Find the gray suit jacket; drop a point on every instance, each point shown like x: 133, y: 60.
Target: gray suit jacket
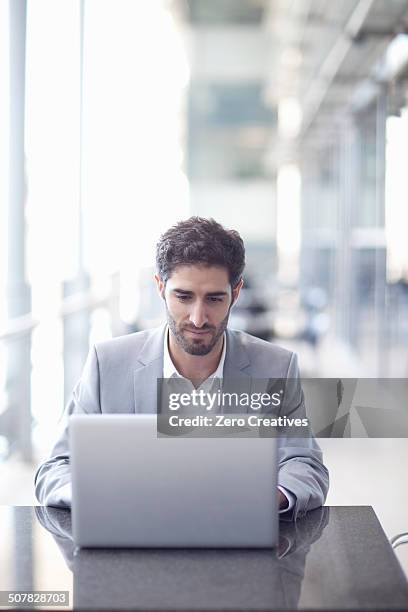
x: 120, y: 375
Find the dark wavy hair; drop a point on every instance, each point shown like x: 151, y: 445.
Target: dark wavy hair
x: 200, y: 241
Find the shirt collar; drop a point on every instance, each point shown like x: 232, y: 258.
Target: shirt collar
x: 170, y: 370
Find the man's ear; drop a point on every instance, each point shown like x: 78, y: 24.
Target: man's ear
x: 161, y: 285
x: 236, y: 290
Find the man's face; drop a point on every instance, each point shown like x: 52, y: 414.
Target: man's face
x: 198, y: 301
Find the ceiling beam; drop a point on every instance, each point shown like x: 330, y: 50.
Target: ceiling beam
x: 332, y: 64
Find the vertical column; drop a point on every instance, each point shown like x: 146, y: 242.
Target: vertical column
x: 331, y: 196
x: 380, y: 255
x: 18, y: 291
x: 309, y: 172
x: 345, y: 273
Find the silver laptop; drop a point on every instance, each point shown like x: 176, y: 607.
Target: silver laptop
x: 131, y: 488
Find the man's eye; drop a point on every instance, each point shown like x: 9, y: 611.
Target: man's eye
x: 215, y: 299
x: 183, y: 298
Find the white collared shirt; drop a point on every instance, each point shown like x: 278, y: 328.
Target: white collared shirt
x: 170, y: 371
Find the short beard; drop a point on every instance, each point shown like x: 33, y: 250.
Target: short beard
x: 196, y: 348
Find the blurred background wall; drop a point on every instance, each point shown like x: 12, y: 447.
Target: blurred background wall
x: 284, y: 119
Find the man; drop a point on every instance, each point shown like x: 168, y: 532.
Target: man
x: 199, y: 277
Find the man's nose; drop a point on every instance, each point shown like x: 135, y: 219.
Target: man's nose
x: 198, y: 315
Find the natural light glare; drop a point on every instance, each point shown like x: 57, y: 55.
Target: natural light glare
x: 288, y: 222
x: 396, y: 196
x: 4, y: 198
x: 129, y: 179
x: 4, y: 153
x: 288, y: 210
x: 397, y: 54
x: 52, y: 142
x: 134, y: 185
x: 289, y: 117
x: 52, y: 154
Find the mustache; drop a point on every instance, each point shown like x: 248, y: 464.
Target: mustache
x: 204, y: 328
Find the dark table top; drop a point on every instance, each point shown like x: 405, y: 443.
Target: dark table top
x: 335, y: 558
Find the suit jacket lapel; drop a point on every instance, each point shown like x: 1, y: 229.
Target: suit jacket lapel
x: 148, y: 372
x: 237, y: 376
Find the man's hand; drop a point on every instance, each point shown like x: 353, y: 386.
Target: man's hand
x: 282, y: 500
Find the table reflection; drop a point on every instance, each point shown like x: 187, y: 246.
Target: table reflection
x: 180, y: 578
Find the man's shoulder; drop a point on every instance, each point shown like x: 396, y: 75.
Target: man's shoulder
x: 264, y: 355
x: 252, y: 343
x: 129, y: 345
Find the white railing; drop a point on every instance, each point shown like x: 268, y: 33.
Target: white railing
x: 15, y: 418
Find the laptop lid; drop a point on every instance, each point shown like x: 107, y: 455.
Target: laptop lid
x: 131, y: 488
